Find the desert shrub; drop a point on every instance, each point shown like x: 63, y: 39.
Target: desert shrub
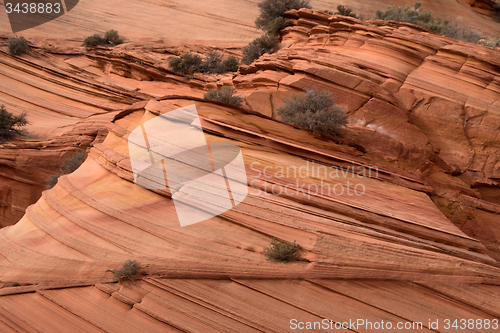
x: 225, y: 95
x: 281, y: 251
x: 259, y: 46
x: 272, y: 9
x: 11, y: 125
x: 277, y: 25
x: 213, y: 63
x: 231, y: 64
x: 315, y: 111
x: 68, y: 166
x: 72, y: 163
x: 187, y: 64
x: 94, y: 40
x: 416, y: 15
x: 129, y: 271
x: 111, y: 37
x: 496, y: 10
x: 492, y: 42
x: 52, y: 180
x: 345, y: 11
x: 329, y: 12
x: 18, y: 46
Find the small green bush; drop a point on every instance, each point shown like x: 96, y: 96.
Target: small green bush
x: 281, y: 251
x: 68, y: 166
x: 213, y: 64
x: 131, y: 270
x: 272, y: 9
x: 187, y: 64
x: 94, y: 40
x: 231, y: 64
x: 258, y: 47
x: 416, y: 15
x: 11, y: 125
x: 52, y: 180
x: 225, y: 95
x: 496, y: 10
x: 277, y: 25
x: 492, y: 42
x: 110, y: 38
x: 72, y: 163
x: 314, y: 111
x: 18, y: 46
x: 345, y: 11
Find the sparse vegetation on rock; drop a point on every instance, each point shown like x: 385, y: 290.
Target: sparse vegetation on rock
x: 110, y: 38
x: 258, y: 47
x: 315, y: 111
x: 130, y: 270
x: 11, y: 125
x: 213, y: 63
x: 496, y: 9
x: 491, y: 42
x: 282, y: 252
x: 68, y: 166
x: 273, y: 9
x: 18, y: 46
x: 416, y: 15
x: 271, y: 21
x: 231, y: 64
x: 187, y: 64
x: 345, y: 11
x: 274, y: 28
x: 225, y: 95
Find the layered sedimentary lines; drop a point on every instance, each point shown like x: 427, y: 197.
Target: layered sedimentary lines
x: 68, y: 110
x: 396, y: 222
x: 426, y: 101
x: 238, y: 305
x: 214, y: 20
x: 56, y: 94
x: 96, y: 218
x: 139, y: 20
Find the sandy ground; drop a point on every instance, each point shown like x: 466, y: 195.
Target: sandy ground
x: 208, y: 19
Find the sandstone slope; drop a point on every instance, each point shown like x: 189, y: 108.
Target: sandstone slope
x: 211, y: 20
x: 421, y: 242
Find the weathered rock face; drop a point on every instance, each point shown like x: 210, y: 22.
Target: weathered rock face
x: 25, y: 167
x: 208, y: 21
x: 357, y: 251
x: 68, y: 110
x: 426, y: 102
x: 412, y: 236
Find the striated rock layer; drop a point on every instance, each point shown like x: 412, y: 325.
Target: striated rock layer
x: 419, y: 243
x: 428, y: 103
x: 96, y: 218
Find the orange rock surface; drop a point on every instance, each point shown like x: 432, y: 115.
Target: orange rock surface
x: 420, y: 244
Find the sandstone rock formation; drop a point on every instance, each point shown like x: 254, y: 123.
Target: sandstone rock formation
x: 421, y: 243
